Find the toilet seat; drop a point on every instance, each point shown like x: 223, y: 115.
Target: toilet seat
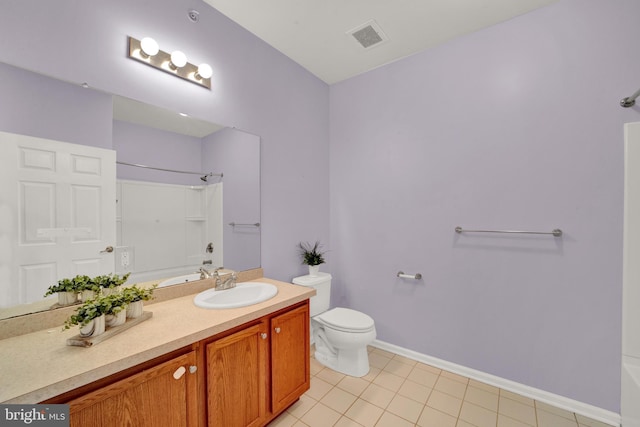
x: 346, y: 320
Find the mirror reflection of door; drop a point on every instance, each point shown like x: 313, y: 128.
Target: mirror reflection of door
x: 58, y: 220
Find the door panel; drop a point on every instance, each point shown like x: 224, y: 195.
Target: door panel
x: 58, y: 208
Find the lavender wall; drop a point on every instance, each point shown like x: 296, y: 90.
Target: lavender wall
x: 31, y: 104
x: 514, y: 127
x: 143, y: 145
x: 255, y: 88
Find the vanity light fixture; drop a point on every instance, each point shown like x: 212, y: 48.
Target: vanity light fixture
x: 148, y: 47
x: 148, y: 52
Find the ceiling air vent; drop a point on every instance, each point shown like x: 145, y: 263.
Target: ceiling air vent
x: 368, y: 34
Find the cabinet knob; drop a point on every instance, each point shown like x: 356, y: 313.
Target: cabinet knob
x: 277, y: 330
x: 193, y: 369
x: 263, y: 336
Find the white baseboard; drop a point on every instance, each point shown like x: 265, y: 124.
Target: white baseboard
x: 590, y: 411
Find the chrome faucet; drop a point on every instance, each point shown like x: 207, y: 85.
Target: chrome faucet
x: 204, y: 273
x: 226, y: 281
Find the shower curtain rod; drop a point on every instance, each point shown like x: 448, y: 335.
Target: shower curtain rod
x: 630, y: 101
x: 203, y: 177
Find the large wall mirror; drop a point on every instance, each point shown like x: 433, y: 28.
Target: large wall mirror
x: 186, y: 195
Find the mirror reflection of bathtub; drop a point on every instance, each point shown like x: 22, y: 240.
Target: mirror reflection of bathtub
x: 179, y: 280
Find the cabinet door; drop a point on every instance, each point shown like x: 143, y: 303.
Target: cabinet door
x: 165, y: 395
x: 289, y: 357
x: 237, y: 378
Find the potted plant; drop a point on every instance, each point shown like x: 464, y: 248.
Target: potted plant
x: 67, y: 290
x: 87, y: 287
x: 115, y: 309
x: 110, y: 283
x: 90, y: 316
x: 135, y: 297
x: 312, y: 256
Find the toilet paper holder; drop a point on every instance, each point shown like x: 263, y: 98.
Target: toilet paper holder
x: 416, y: 276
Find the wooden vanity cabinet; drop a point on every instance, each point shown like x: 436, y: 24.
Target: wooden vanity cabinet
x: 244, y: 377
x: 256, y: 372
x: 164, y: 395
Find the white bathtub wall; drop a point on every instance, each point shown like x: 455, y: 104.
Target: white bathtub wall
x: 165, y: 228
x: 630, y: 409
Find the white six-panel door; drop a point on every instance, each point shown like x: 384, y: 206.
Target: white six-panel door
x: 57, y: 214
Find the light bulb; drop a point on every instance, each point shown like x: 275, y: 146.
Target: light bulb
x: 148, y: 47
x: 204, y: 71
x: 178, y: 59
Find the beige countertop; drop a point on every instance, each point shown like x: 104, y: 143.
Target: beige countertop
x: 39, y: 365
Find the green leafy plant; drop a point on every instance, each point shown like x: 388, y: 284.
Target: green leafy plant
x: 311, y: 254
x: 91, y: 309
x: 135, y: 293
x: 110, y: 280
x: 76, y: 284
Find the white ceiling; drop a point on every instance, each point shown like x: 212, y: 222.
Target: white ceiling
x: 316, y: 33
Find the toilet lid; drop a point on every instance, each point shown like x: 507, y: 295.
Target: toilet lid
x: 345, y: 318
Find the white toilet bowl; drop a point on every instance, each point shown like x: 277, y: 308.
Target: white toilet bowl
x: 341, y: 337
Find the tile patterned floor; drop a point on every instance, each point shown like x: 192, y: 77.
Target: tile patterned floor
x: 401, y: 392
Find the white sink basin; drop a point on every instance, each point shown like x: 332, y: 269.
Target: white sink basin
x: 180, y: 279
x: 245, y: 293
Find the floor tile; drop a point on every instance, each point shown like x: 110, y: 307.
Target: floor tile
x: 364, y: 413
x: 330, y: 376
x: 483, y: 386
x: 299, y: 408
x: 547, y: 419
x: 504, y: 421
x: 588, y: 422
x: 423, y: 377
x: 398, y: 368
x: 318, y: 388
x: 390, y: 420
x: 389, y: 381
x: 540, y: 406
x: 353, y: 385
x: 479, y: 416
x: 517, y: 410
x: 377, y: 395
x: 338, y: 400
x: 444, y: 403
x: 431, y: 417
x: 401, y: 392
x: 284, y: 420
x: 346, y: 422
x: 373, y: 372
x: 516, y: 397
x: 404, y: 359
x: 482, y: 397
x: 377, y: 360
x: 449, y: 386
x: 455, y: 377
x: 405, y: 408
x: 415, y: 391
x: 320, y: 416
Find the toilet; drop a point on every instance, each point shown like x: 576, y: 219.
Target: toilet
x: 341, y: 335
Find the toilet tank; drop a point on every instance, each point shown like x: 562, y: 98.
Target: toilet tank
x: 322, y: 284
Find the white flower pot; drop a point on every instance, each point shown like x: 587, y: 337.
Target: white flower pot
x: 112, y: 320
x: 109, y: 291
x: 87, y: 294
x: 94, y: 328
x: 134, y: 309
x: 313, y: 270
x: 67, y: 298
